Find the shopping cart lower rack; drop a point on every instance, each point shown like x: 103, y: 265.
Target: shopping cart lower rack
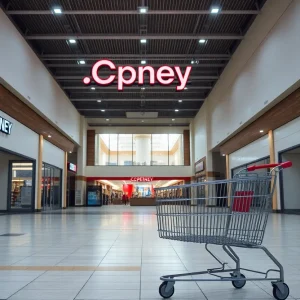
x: 229, y: 213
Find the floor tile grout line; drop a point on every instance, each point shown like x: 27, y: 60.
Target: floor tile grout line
x: 97, y: 266
x: 188, y: 271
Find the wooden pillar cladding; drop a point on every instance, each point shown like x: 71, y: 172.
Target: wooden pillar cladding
x: 227, y: 167
x: 186, y: 148
x: 272, y: 161
x: 90, y: 148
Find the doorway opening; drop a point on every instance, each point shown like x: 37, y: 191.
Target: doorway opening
x: 51, y: 187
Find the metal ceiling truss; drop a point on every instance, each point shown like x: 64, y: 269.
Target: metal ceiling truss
x: 136, y: 99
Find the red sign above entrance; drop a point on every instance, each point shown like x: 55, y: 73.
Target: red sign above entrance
x: 141, y: 179
x: 164, y: 75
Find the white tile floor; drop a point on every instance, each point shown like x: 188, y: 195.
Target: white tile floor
x: 126, y: 237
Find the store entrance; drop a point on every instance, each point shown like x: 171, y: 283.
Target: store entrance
x: 51, y: 187
x: 289, y: 181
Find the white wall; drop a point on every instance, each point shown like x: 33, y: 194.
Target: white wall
x: 291, y: 180
x: 263, y: 70
x: 53, y: 155
x: 199, y: 138
x: 253, y: 151
x: 22, y: 71
x: 285, y: 137
x: 134, y: 171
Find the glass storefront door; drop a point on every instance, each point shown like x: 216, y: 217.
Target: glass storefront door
x: 51, y: 187
x: 21, y: 185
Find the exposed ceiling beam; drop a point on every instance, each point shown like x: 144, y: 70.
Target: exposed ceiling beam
x: 208, y: 77
x: 136, y: 56
x: 162, y: 91
x: 75, y: 65
x: 113, y: 87
x: 132, y: 12
x: 137, y: 109
x: 79, y: 36
x: 138, y: 100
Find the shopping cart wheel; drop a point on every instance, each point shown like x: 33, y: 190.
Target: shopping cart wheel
x: 281, y: 294
x: 166, y: 294
x: 238, y: 284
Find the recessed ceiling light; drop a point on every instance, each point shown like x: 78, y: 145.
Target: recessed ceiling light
x: 57, y: 10
x: 93, y: 88
x: 185, y: 88
x: 176, y: 110
x: 179, y: 101
x: 261, y: 131
x: 142, y: 121
x: 223, y: 154
x: 192, y: 62
x: 98, y: 100
x: 49, y: 136
x: 143, y: 10
x: 202, y: 41
x: 173, y: 119
x: 143, y: 41
x: 72, y: 41
x: 82, y: 62
x: 103, y: 110
x: 107, y: 119
x: 143, y: 88
x: 143, y: 62
x: 70, y: 151
x: 215, y: 10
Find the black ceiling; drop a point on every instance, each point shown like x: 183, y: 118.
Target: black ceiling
x: 112, y: 29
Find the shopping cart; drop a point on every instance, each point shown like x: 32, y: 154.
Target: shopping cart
x: 230, y: 213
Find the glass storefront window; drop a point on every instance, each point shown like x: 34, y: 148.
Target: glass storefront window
x: 22, y: 185
x: 125, y: 154
x: 175, y: 149
x: 160, y: 146
x: 142, y: 149
x: 139, y: 149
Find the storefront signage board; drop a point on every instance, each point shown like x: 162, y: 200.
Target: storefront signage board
x: 72, y: 167
x: 5, y: 126
x: 141, y: 179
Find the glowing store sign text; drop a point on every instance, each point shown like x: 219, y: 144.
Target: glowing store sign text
x: 165, y: 75
x: 141, y: 179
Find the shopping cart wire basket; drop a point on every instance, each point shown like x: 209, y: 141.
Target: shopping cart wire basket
x: 229, y: 213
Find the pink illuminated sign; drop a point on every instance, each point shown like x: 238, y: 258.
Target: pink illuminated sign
x: 164, y: 75
x: 141, y: 179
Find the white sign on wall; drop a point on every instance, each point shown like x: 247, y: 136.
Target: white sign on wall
x: 5, y: 126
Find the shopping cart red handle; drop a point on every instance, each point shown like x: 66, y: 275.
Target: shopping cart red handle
x: 283, y: 165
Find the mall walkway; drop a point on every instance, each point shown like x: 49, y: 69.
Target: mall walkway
x: 115, y: 253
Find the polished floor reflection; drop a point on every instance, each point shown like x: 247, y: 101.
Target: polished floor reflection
x: 114, y: 253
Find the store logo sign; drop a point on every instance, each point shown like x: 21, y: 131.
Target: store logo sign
x: 141, y: 179
x: 5, y: 126
x: 165, y: 75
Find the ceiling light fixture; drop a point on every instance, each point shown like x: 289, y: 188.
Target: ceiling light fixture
x: 192, y: 62
x: 57, y: 10
x: 93, y: 88
x: 173, y: 119
x: 49, y: 136
x: 143, y: 62
x: 214, y: 10
x: 70, y: 152
x: 143, y: 88
x: 176, y: 110
x: 261, y: 131
x: 223, y: 154
x: 99, y: 101
x: 72, y: 41
x: 103, y: 110
x: 202, y: 41
x: 185, y: 88
x: 179, y: 101
x: 142, y: 121
x: 107, y: 119
x: 143, y: 41
x: 82, y: 62
x: 143, y: 10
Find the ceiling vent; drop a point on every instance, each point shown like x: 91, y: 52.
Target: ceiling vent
x: 142, y: 115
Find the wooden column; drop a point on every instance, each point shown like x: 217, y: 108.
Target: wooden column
x: 272, y: 161
x: 186, y: 148
x: 90, y: 148
x: 65, y: 172
x: 227, y: 167
x: 40, y: 173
